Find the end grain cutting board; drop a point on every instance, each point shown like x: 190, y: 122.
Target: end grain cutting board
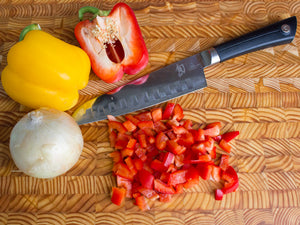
x: 257, y: 94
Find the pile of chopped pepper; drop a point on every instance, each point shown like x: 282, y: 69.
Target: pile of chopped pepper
x: 159, y: 154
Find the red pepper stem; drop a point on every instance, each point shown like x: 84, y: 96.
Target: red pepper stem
x: 30, y: 27
x: 93, y: 10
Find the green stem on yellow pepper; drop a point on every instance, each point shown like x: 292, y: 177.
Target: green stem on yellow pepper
x: 30, y: 27
x: 93, y: 10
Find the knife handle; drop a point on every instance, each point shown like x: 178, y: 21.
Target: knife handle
x: 279, y: 33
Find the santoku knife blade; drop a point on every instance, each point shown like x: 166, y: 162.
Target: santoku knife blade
x: 184, y: 76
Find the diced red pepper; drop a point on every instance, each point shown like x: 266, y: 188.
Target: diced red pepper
x: 164, y: 177
x: 112, y: 55
x: 178, y: 112
x: 230, y: 135
x: 162, y: 187
x: 213, y: 153
x: 141, y: 203
x: 161, y: 141
x: 148, y: 193
x: 179, y: 188
x: 198, y: 134
x: 151, y: 140
x: 123, y: 171
x: 225, y: 146
x: 188, y: 124
x: 171, y: 135
x: 212, y: 129
x: 132, y: 119
x: 116, y: 156
x: 138, y: 163
x: 129, y: 162
x: 112, y: 138
x: 159, y: 126
x: 204, y: 170
x: 218, y: 194
x: 186, y: 139
x: 179, y: 160
x: 115, y: 125
x: 156, y: 114
x: 192, y: 177
x: 118, y: 195
x: 168, y: 159
x: 177, y: 177
x: 142, y: 140
x: 179, y: 130
x: 158, y: 165
x: 146, y: 179
x: 168, y: 111
x: 165, y: 197
x: 125, y: 183
x: 141, y: 153
x: 146, y: 124
x: 131, y: 143
x: 144, y: 116
x: 129, y: 126
x: 216, y: 173
x: 224, y: 162
x: 175, y: 148
x: 126, y: 152
x: 199, y: 147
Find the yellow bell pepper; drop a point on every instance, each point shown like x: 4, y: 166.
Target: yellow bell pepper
x: 44, y: 71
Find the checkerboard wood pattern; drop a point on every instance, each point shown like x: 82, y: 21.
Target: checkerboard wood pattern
x: 257, y: 94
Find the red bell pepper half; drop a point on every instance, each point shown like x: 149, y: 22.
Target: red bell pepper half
x: 113, y: 42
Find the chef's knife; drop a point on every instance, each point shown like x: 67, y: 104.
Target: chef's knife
x: 184, y: 76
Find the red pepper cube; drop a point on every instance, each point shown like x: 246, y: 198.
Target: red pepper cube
x: 156, y: 114
x: 126, y: 152
x: 212, y: 129
x: 224, y: 162
x: 144, y: 116
x: 179, y: 188
x: 141, y: 153
x: 225, y: 146
x: 125, y: 183
x: 175, y: 148
x: 161, y: 141
x: 129, y: 126
x: 143, y: 140
x: 159, y: 126
x: 199, y: 148
x: 130, y: 164
x: 198, y: 134
x: 186, y: 139
x: 162, y: 187
x: 168, y: 159
x: 231, y: 180
x: 118, y: 195
x: 164, y: 177
x: 213, y: 153
x: 132, y: 119
x: 148, y: 193
x: 218, y: 194
x: 216, y: 173
x: 115, y: 125
x: 131, y: 143
x: 168, y: 112
x: 165, y: 197
x: 122, y: 170
x: 158, y: 166
x: 177, y: 177
x: 141, y: 202
x: 116, y: 156
x: 204, y: 170
x: 204, y: 158
x: 146, y: 179
x: 151, y: 140
x: 138, y: 163
x: 230, y: 135
x: 188, y: 124
x: 146, y: 124
x: 179, y: 130
x: 112, y: 138
x: 178, y: 113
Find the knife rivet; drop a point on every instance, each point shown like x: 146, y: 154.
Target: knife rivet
x: 285, y: 28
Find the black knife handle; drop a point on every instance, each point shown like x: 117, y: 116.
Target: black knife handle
x: 279, y: 33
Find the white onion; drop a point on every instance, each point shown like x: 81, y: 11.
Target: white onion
x: 46, y: 143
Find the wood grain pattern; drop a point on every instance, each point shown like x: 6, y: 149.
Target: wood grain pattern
x: 257, y: 94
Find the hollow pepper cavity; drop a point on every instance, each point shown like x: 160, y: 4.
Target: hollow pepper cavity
x: 113, y: 41
x: 44, y: 71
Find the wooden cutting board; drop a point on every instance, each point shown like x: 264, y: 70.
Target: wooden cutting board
x: 257, y: 94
